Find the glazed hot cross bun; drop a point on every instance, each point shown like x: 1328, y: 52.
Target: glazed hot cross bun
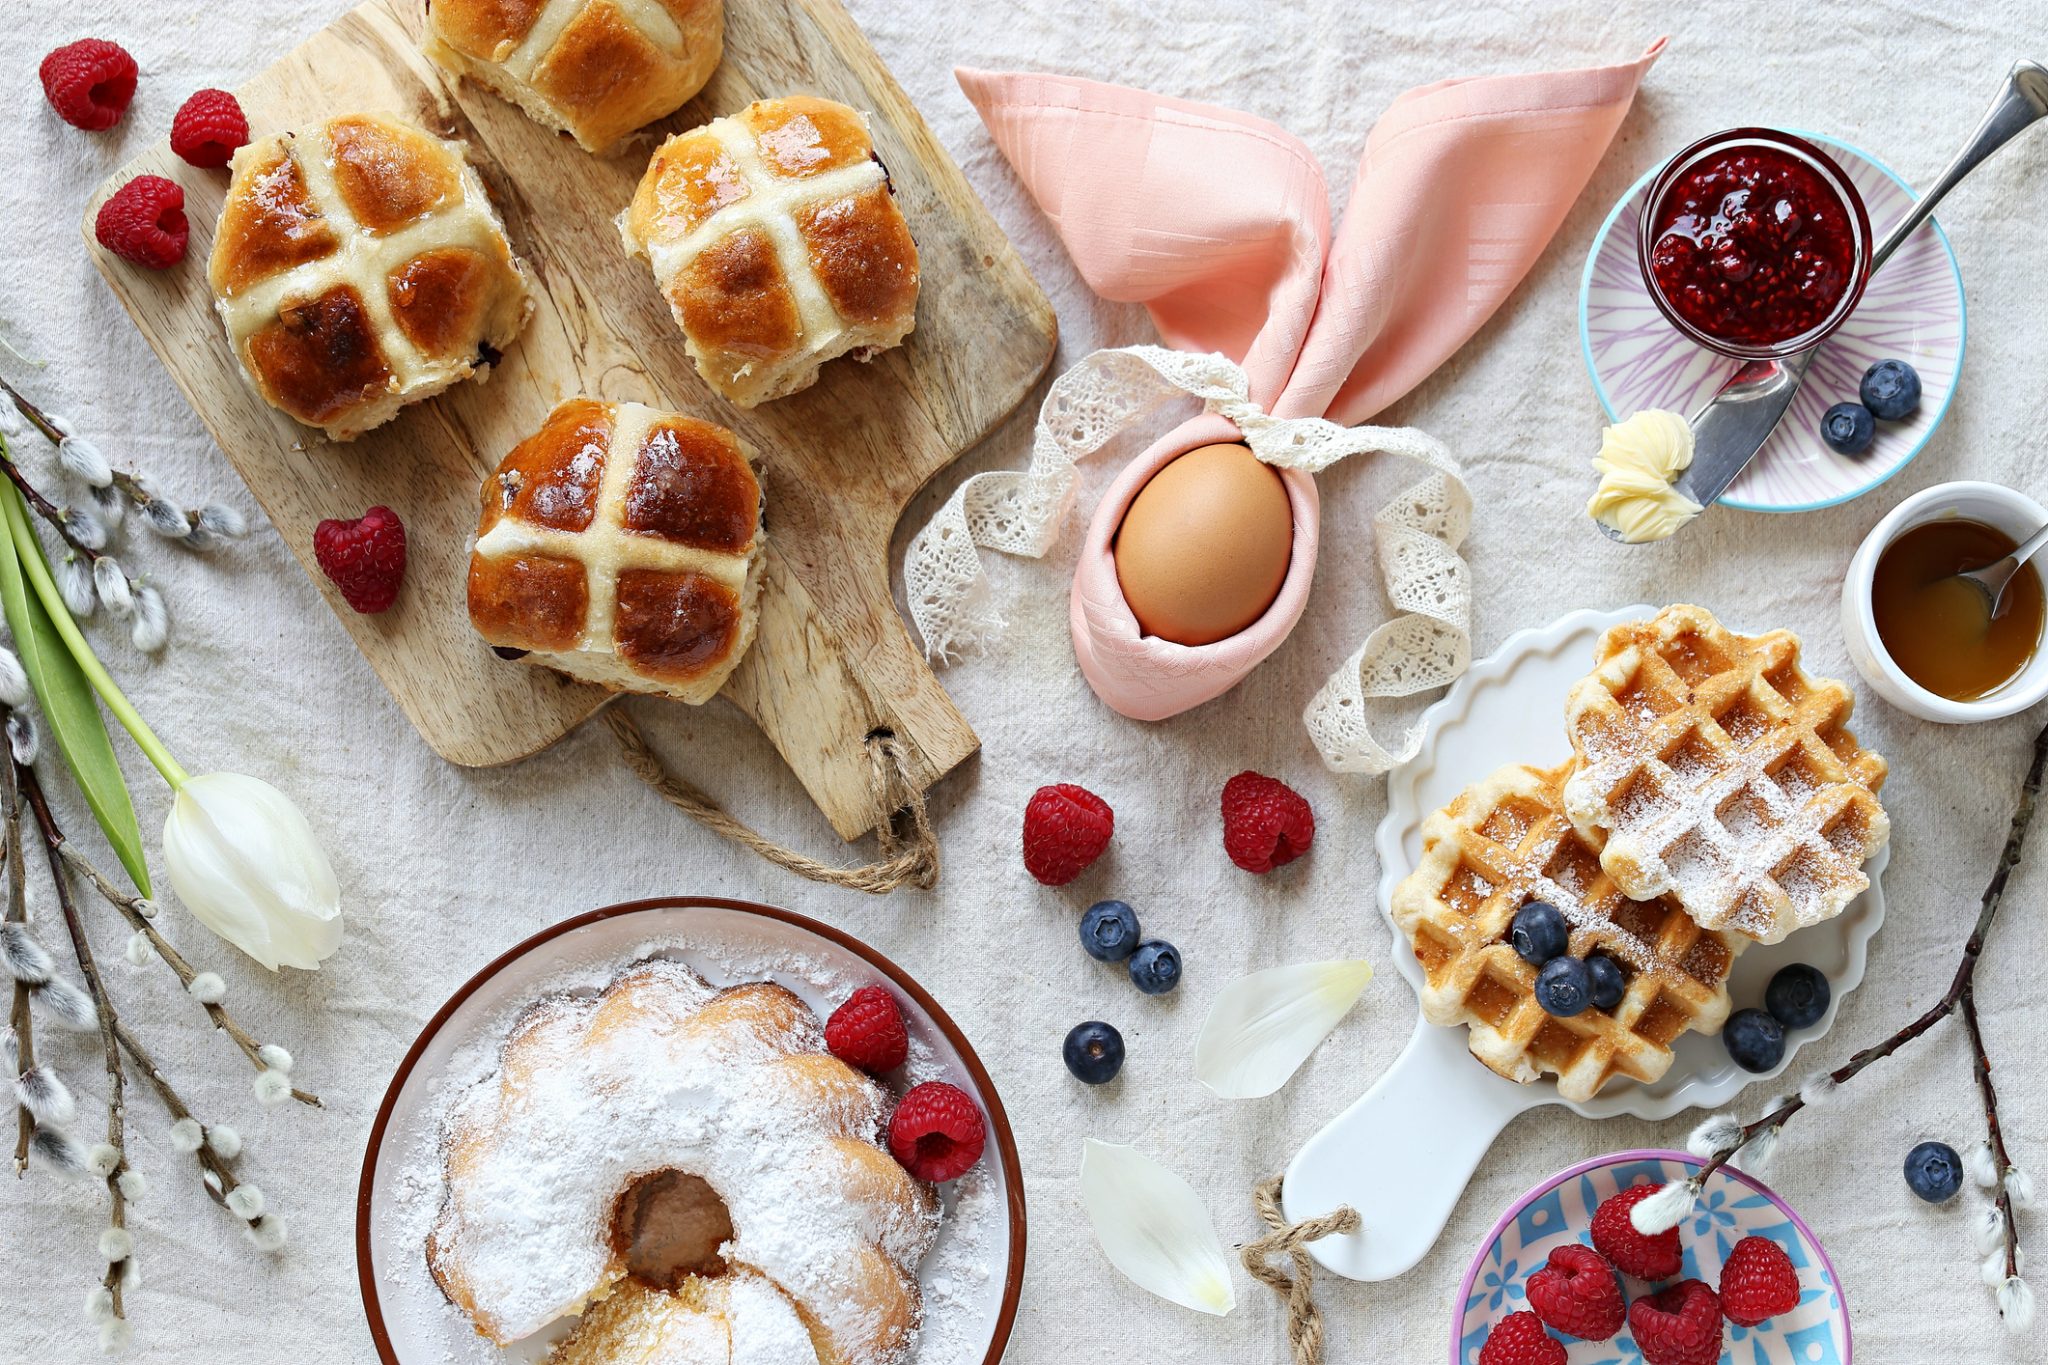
x: 358, y: 267
x: 622, y: 545
x: 776, y: 237
x: 594, y: 69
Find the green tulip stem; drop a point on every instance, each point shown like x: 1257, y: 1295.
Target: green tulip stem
x: 37, y: 568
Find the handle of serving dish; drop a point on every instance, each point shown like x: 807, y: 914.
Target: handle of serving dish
x: 1402, y: 1154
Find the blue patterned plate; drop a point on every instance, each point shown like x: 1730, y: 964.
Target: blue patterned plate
x: 1732, y: 1206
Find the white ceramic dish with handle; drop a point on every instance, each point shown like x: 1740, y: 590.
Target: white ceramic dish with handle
x: 1404, y: 1151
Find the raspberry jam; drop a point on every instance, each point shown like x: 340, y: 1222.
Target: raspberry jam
x: 1755, y: 241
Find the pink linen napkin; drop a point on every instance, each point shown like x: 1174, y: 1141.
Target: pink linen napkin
x: 1218, y: 222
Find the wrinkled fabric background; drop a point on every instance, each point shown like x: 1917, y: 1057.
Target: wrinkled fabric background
x: 443, y: 867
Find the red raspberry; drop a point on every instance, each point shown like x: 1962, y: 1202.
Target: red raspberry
x: 867, y: 1031
x: 365, y: 558
x: 89, y: 83
x: 1577, y: 1293
x: 1646, y: 1258
x: 1265, y: 822
x: 936, y: 1132
x: 143, y: 222
x: 1519, y: 1339
x: 1678, y: 1326
x: 208, y: 128
x: 1065, y: 829
x: 1758, y: 1282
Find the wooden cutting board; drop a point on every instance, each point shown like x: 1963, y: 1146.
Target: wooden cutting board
x: 832, y: 661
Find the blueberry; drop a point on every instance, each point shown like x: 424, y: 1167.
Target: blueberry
x: 1934, y: 1171
x: 1538, y: 933
x: 1755, y: 1041
x: 1847, y: 427
x: 1094, y: 1052
x: 1608, y: 982
x: 1109, y: 930
x: 1564, y: 987
x: 1797, y: 996
x: 1155, y: 967
x: 1891, y: 389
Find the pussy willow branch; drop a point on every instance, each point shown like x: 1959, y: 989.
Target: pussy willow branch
x: 17, y: 913
x: 1980, y: 1064
x: 37, y: 418
x: 131, y: 911
x: 1960, y: 997
x: 33, y: 496
x: 130, y: 486
x: 208, y: 1159
x: 103, y: 1006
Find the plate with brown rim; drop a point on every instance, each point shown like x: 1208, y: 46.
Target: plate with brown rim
x: 972, y: 1277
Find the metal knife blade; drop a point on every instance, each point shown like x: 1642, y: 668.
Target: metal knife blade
x: 1733, y: 426
x: 1729, y: 431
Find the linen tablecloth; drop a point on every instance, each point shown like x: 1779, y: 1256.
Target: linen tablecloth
x: 442, y: 867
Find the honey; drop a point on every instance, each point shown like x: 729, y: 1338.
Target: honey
x: 1938, y: 629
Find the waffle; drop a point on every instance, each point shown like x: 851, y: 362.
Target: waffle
x: 1505, y: 841
x: 1714, y: 769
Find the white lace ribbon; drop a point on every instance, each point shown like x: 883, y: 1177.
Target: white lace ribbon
x: 1427, y: 645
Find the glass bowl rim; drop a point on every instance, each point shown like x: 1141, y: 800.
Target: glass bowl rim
x: 1838, y: 180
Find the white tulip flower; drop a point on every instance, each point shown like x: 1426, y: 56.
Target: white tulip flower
x: 247, y: 865
x: 241, y: 856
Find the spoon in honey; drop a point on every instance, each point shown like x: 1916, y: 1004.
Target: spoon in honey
x: 1993, y: 579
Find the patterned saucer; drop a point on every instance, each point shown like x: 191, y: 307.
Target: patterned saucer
x: 1911, y: 311
x: 1731, y: 1207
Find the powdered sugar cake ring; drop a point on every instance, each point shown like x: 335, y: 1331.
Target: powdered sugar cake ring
x: 1733, y: 1205
x: 1435, y: 1112
x: 1913, y: 310
x: 970, y: 1280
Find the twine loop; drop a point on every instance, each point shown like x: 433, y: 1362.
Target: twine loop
x: 908, y: 847
x: 1304, y: 1319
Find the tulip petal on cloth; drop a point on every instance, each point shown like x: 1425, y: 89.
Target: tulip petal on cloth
x: 1262, y: 1027
x: 1154, y: 1227
x: 1461, y: 186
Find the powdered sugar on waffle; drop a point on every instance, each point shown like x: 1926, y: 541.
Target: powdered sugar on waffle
x: 1715, y: 838
x: 593, y: 1126
x: 1495, y: 815
x: 1567, y: 893
x: 1718, y: 829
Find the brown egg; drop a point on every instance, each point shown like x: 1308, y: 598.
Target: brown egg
x: 1204, y: 547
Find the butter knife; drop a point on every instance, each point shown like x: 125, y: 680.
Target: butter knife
x: 1733, y: 426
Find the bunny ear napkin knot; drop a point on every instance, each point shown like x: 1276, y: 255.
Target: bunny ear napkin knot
x: 1287, y: 333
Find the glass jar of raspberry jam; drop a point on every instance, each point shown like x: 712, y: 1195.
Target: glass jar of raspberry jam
x: 1754, y: 243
